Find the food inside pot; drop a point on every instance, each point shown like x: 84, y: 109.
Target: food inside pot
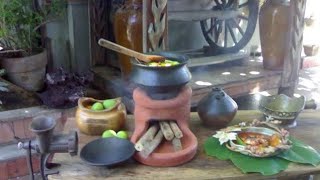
x: 256, y: 139
x: 166, y: 63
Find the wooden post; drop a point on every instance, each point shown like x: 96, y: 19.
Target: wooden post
x: 154, y: 25
x: 144, y: 25
x: 78, y: 18
x: 99, y: 12
x: 292, y: 59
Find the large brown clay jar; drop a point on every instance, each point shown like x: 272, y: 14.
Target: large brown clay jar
x: 274, y: 28
x: 217, y: 109
x: 128, y: 31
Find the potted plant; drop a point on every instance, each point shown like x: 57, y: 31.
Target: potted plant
x: 23, y: 54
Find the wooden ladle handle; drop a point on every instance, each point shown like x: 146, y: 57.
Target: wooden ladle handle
x: 123, y: 50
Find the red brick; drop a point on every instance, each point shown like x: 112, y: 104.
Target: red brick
x: 19, y: 129
x: 6, y: 133
x: 18, y: 167
x: 3, y: 171
x: 12, y: 168
x: 27, y: 132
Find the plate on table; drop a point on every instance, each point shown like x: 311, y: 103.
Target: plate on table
x: 107, y: 151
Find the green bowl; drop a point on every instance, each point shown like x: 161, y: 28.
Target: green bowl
x: 281, y: 107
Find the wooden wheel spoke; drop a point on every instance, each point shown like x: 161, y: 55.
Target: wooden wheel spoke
x: 220, y: 27
x: 212, y: 25
x: 229, y: 3
x: 244, y: 4
x: 243, y: 17
x: 217, y: 32
x: 238, y: 27
x: 217, y: 2
x: 231, y: 33
x: 225, y: 44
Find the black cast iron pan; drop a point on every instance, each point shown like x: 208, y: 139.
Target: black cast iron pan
x: 107, y: 151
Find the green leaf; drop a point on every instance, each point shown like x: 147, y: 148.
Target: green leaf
x: 212, y: 147
x: 301, y: 153
x: 265, y: 166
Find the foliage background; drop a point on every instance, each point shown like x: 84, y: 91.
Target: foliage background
x: 21, y: 22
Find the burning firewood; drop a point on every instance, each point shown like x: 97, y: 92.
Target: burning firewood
x: 166, y: 130
x: 147, y: 150
x: 177, y: 132
x: 146, y: 138
x: 176, y: 143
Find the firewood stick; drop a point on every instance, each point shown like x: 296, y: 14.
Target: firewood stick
x: 177, y: 146
x: 176, y: 130
x: 147, y: 137
x: 150, y: 147
x: 166, y: 130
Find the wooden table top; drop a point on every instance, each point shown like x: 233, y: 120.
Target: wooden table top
x: 201, y: 167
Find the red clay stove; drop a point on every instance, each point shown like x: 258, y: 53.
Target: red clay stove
x: 178, y: 109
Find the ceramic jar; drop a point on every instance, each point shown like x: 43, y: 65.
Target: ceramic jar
x: 274, y: 27
x: 93, y: 122
x: 128, y: 31
x: 162, y: 83
x: 217, y: 109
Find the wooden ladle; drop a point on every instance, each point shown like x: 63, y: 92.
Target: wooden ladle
x: 123, y: 50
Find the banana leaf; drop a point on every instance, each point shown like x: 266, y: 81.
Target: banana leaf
x: 299, y: 153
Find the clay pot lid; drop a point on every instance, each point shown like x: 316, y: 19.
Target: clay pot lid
x: 107, y: 151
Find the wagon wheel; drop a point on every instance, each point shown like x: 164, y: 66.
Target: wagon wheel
x: 232, y: 34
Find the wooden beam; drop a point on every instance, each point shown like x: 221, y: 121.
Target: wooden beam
x: 201, y: 15
x: 293, y: 56
x: 218, y: 59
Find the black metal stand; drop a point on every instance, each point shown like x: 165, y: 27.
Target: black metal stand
x: 47, y: 168
x: 29, y: 160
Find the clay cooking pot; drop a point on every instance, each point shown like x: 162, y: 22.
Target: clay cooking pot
x: 161, y: 82
x: 217, y: 109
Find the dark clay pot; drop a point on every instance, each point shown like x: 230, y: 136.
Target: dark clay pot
x: 217, y: 109
x: 162, y: 82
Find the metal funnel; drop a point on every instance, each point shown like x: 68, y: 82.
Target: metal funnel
x: 43, y: 127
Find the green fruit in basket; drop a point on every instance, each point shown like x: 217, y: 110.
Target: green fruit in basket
x: 109, y: 103
x: 122, y: 134
x: 97, y: 106
x: 109, y: 133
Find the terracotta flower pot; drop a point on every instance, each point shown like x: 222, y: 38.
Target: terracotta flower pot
x: 93, y: 122
x: 26, y: 72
